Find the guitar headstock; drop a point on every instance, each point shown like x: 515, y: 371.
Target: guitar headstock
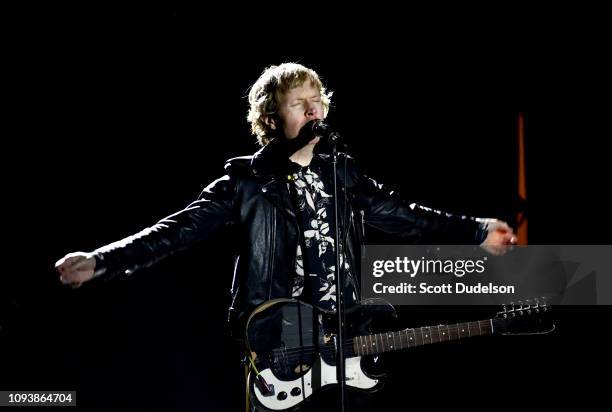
x: 524, y: 318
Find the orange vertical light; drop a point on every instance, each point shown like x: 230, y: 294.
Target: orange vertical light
x: 521, y: 218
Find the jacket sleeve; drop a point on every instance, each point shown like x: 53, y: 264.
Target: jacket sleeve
x: 198, y: 221
x: 385, y: 210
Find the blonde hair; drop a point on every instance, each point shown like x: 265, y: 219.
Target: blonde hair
x: 273, y: 81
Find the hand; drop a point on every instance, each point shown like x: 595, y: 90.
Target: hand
x: 76, y: 268
x: 500, y: 236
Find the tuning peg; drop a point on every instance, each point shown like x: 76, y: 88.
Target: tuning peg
x: 534, y: 308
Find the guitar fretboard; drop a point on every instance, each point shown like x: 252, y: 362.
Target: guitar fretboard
x: 408, y: 338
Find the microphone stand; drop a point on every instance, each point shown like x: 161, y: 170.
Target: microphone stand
x: 340, y: 360
x: 281, y: 149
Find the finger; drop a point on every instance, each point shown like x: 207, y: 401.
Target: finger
x: 507, y: 239
x: 71, y: 279
x: 72, y: 260
x: 60, y: 263
x: 62, y: 269
x: 496, y: 251
x: 504, y: 224
x: 76, y: 263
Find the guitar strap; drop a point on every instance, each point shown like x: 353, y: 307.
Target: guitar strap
x: 315, y: 373
x: 246, y: 384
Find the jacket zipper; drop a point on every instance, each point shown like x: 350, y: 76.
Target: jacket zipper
x: 272, y: 251
x: 362, y: 213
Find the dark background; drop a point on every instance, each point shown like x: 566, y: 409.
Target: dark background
x: 121, y: 118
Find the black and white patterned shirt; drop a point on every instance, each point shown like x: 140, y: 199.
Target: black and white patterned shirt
x: 315, y: 268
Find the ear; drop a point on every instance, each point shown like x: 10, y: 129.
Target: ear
x: 270, y: 121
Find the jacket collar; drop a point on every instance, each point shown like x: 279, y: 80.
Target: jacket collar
x: 273, y: 161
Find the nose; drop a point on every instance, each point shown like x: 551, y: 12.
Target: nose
x: 311, y: 111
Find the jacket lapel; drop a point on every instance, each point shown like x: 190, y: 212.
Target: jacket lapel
x: 276, y: 191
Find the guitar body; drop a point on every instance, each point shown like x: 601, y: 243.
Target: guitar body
x: 293, y: 347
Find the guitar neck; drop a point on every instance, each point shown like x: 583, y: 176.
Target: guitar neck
x: 409, y: 338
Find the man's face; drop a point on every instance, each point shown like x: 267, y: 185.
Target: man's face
x: 297, y: 107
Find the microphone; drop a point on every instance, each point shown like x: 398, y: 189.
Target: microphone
x: 277, y: 152
x: 325, y: 131
x: 312, y: 129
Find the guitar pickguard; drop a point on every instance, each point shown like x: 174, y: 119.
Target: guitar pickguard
x: 288, y: 394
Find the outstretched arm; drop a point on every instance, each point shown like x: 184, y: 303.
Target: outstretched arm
x: 385, y: 210
x: 198, y: 221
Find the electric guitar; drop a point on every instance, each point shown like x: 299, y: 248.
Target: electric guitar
x: 292, y: 352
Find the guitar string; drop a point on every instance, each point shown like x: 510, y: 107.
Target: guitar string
x: 291, y: 354
x: 405, y: 331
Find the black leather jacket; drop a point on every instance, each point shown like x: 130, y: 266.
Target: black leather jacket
x: 254, y: 197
